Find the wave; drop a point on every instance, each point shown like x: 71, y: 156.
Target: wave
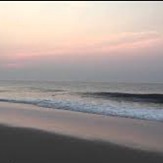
x: 2, y: 91
x: 154, y: 98
x: 45, y: 89
x: 103, y: 109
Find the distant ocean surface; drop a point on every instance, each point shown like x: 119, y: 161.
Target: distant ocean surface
x: 132, y: 100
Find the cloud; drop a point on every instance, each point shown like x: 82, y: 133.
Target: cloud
x: 12, y: 66
x: 27, y: 56
x: 125, y: 41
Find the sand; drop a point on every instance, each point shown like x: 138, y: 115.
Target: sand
x: 33, y: 134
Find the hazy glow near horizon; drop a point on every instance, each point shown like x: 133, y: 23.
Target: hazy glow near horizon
x: 97, y: 41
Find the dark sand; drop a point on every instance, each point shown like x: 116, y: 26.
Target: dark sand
x: 44, y: 135
x: 20, y: 145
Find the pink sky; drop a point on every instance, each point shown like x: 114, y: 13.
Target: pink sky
x: 51, y: 35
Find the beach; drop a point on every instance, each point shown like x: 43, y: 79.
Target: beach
x: 26, y: 145
x: 33, y: 134
x: 81, y: 82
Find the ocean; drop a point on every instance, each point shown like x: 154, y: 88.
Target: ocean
x: 130, y: 100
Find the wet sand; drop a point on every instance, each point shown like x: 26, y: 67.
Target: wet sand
x: 46, y: 135
x: 19, y: 145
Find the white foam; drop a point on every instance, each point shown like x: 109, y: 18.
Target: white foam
x: 104, y: 109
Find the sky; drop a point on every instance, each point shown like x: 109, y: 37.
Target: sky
x: 81, y: 41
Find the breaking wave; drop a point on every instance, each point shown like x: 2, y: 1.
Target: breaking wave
x: 154, y: 98
x: 103, y: 109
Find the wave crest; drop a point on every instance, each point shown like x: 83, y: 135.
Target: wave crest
x: 154, y: 98
x: 108, y: 110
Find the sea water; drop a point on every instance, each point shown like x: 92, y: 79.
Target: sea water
x: 130, y: 100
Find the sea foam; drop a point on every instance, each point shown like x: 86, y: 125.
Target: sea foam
x: 103, y: 109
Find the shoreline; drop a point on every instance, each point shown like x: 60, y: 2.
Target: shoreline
x: 24, y: 145
x: 135, y: 134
